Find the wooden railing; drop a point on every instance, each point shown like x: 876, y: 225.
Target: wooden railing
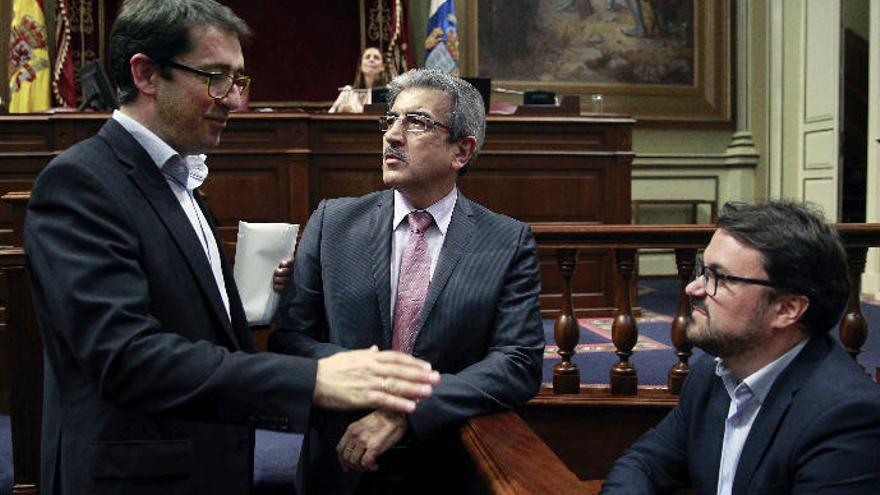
x: 569, y: 239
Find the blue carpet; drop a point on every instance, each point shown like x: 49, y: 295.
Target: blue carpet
x: 275, y: 460
x: 5, y: 456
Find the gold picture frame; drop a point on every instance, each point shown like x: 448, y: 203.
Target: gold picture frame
x: 707, y: 98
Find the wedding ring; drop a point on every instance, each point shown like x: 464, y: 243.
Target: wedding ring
x: 349, y: 448
x: 385, y: 384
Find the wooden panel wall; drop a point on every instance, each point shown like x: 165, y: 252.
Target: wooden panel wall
x: 301, y: 51
x: 278, y: 166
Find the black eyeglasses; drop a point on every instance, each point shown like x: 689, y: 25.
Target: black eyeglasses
x: 412, y: 122
x: 219, y: 84
x: 710, y: 278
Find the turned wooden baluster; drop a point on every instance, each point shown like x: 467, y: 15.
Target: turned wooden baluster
x: 853, y: 328
x: 566, y: 375
x: 624, y: 333
x: 684, y: 261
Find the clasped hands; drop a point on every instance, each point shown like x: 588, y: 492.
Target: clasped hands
x: 367, y: 438
x: 390, y: 382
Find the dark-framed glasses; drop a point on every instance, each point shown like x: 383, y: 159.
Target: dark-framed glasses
x: 710, y: 277
x: 412, y: 122
x: 219, y: 84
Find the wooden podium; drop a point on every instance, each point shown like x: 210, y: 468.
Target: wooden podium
x: 274, y: 167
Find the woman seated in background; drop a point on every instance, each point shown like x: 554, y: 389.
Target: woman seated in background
x: 370, y: 74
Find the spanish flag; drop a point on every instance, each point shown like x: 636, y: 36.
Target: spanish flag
x: 29, y: 69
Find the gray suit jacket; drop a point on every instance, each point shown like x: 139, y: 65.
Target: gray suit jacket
x: 816, y: 433
x: 149, y: 388
x: 480, y: 326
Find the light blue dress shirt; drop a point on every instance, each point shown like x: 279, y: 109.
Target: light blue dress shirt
x: 746, y: 398
x: 183, y: 174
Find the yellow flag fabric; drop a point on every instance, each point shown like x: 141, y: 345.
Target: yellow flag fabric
x: 29, y: 66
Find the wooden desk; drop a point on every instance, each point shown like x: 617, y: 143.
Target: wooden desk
x: 274, y: 167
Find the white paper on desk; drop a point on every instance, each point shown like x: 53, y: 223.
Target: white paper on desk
x: 261, y: 246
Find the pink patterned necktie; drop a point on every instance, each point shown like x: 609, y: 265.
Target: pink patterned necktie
x: 412, y: 283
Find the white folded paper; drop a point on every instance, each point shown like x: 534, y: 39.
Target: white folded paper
x: 261, y: 246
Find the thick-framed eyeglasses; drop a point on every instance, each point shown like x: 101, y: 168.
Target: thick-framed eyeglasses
x: 710, y: 277
x: 219, y: 84
x: 412, y: 122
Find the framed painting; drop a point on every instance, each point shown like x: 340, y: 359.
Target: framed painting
x: 666, y: 60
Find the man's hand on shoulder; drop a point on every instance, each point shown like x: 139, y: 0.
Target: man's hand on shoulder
x: 368, y: 438
x: 373, y: 379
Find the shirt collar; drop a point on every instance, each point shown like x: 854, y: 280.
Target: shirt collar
x: 760, y: 381
x: 163, y: 154
x: 441, y: 210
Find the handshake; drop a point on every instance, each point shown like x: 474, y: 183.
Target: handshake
x: 373, y: 379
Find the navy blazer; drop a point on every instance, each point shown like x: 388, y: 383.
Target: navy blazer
x: 480, y: 327
x: 149, y: 387
x: 817, y: 432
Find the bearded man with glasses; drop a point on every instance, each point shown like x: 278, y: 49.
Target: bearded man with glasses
x: 781, y: 408
x: 152, y: 380
x: 419, y: 268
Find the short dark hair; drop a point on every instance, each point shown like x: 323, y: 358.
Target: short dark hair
x: 161, y: 30
x: 466, y: 117
x: 800, y: 252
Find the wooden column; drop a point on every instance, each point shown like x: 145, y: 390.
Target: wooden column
x: 853, y: 328
x: 566, y: 375
x: 684, y: 261
x: 624, y: 333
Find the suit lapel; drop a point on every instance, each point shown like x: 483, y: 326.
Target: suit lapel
x: 773, y: 411
x: 713, y: 436
x: 147, y: 177
x: 238, y: 326
x: 459, y: 234
x: 380, y: 246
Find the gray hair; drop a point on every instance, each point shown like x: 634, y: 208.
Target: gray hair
x: 162, y: 29
x: 466, y: 117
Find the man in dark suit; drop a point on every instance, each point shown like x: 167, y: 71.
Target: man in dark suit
x: 782, y: 408
x: 152, y: 383
x: 419, y: 268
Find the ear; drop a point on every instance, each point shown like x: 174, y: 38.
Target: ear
x: 789, y: 309
x: 144, y: 73
x: 462, y: 151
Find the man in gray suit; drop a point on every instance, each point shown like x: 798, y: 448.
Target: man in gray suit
x: 422, y: 269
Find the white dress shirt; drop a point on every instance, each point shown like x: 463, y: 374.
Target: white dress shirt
x: 746, y: 398
x: 436, y: 233
x: 166, y: 159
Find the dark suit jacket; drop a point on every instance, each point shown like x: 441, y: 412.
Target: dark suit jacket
x: 481, y: 327
x: 149, y: 388
x: 817, y: 432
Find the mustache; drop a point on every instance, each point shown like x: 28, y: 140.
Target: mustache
x: 696, y: 303
x: 394, y: 151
